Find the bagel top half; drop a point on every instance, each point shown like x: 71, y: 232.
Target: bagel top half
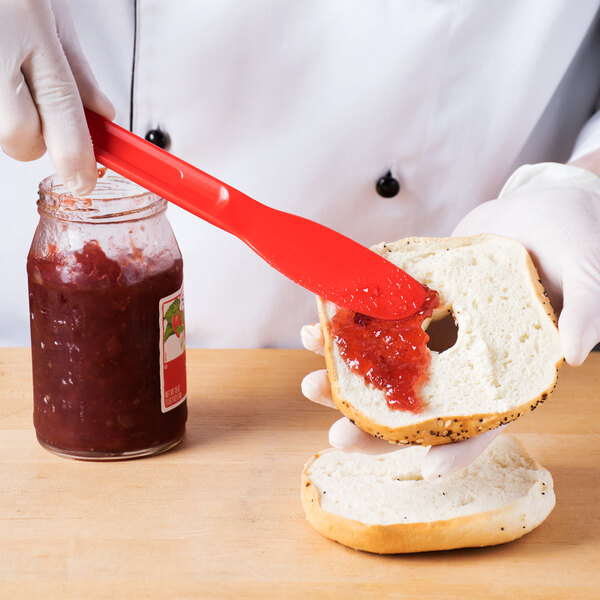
x: 507, y: 351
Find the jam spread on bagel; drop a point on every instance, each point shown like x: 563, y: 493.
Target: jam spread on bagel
x: 391, y: 355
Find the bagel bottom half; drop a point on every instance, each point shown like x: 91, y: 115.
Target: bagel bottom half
x: 382, y: 504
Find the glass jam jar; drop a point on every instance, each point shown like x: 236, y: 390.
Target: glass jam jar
x: 107, y: 323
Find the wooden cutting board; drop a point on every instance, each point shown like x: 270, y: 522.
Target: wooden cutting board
x: 220, y: 516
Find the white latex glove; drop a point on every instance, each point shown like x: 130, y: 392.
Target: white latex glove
x: 439, y: 461
x: 44, y: 78
x: 554, y: 211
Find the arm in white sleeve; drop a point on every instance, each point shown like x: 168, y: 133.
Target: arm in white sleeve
x: 586, y: 153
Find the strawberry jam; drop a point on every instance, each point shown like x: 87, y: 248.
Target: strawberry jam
x: 95, y: 334
x: 391, y: 355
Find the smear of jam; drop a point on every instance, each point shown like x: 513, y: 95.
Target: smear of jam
x: 79, y: 201
x: 391, y: 355
x: 94, y: 332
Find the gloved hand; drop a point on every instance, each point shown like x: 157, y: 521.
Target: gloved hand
x: 44, y: 78
x: 554, y: 211
x: 439, y: 461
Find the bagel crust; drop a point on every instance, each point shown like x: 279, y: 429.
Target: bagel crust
x: 447, y: 425
x: 502, y: 524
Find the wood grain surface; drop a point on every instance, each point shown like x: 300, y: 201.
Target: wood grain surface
x: 220, y: 516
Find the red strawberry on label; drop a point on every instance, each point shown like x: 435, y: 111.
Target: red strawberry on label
x: 177, y: 324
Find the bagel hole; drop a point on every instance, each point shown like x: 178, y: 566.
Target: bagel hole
x: 442, y: 334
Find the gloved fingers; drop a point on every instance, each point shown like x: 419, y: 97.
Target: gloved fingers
x: 89, y: 90
x: 343, y: 434
x: 440, y: 461
x: 315, y: 386
x: 579, y: 321
x: 312, y: 338
x: 20, y: 128
x: 56, y: 97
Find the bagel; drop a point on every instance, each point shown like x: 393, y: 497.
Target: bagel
x: 507, y: 351
x: 382, y: 504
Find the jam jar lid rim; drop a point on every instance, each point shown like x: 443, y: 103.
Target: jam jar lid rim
x: 87, y: 208
x: 50, y: 184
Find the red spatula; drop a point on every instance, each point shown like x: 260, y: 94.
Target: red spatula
x: 316, y: 257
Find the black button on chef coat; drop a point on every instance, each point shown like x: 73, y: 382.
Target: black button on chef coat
x: 158, y: 138
x: 387, y: 186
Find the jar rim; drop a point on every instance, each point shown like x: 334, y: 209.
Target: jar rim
x: 114, y: 198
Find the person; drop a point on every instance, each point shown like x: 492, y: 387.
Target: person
x: 380, y: 120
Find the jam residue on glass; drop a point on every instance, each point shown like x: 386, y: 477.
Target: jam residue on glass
x: 391, y: 355
x: 95, y: 332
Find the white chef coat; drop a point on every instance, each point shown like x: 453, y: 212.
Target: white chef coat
x: 304, y: 106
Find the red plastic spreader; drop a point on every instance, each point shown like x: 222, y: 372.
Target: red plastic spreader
x: 314, y: 256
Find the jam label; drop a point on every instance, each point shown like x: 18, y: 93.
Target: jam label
x: 173, y: 389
